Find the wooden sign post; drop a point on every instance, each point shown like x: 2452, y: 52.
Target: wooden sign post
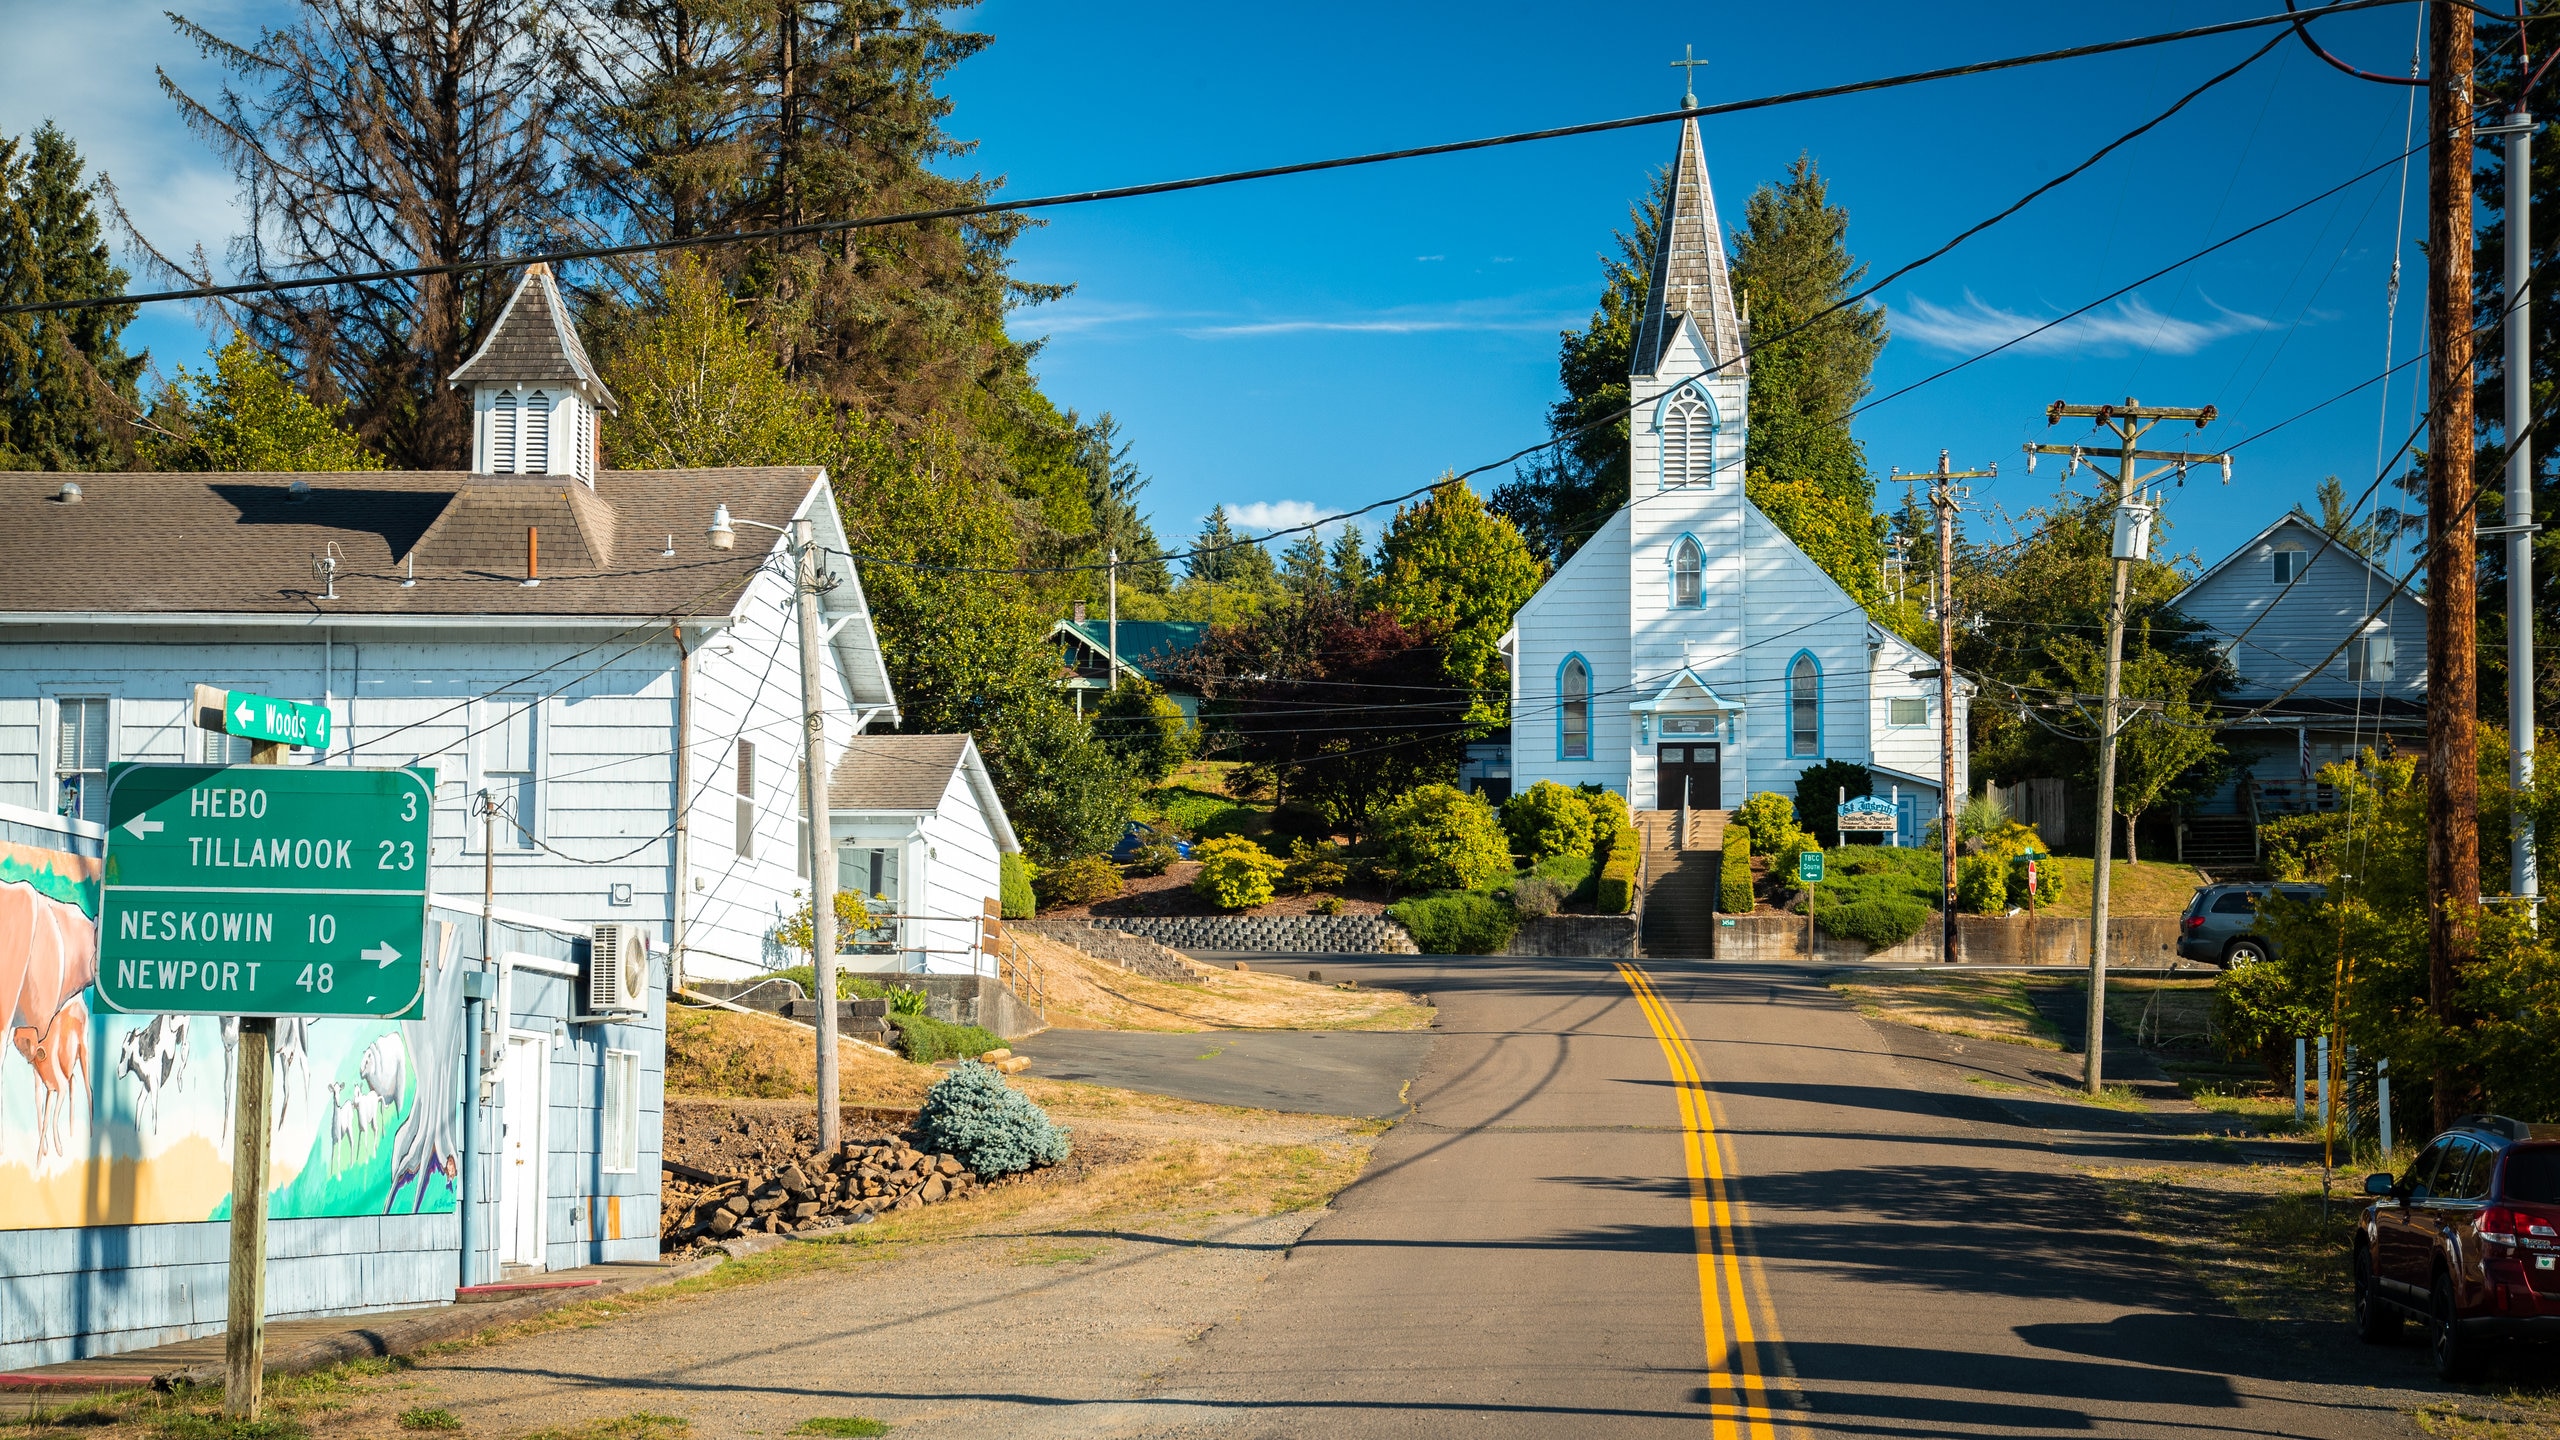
x: 244, y: 1340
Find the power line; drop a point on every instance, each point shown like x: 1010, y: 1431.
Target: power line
x: 2294, y: 22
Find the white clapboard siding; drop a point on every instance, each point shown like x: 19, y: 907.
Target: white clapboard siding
x: 1581, y: 610
x: 961, y: 874
x: 22, y: 769
x: 2275, y: 633
x: 1803, y: 610
x: 1911, y: 749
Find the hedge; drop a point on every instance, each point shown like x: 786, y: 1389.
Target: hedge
x: 923, y: 1039
x: 1456, y: 922
x: 1548, y: 819
x: 1616, y: 892
x: 1734, y: 884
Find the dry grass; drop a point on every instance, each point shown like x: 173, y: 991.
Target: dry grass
x: 2254, y: 1234
x: 1085, y: 993
x: 2173, y: 1013
x: 2150, y: 887
x: 724, y: 1054
x: 1979, y: 1007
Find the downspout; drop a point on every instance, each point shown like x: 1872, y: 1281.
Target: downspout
x: 684, y: 810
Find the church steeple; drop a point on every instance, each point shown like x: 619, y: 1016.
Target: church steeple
x: 1688, y: 276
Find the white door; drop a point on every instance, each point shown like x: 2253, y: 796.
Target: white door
x: 520, y: 1152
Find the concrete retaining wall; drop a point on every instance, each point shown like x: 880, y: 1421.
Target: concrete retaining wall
x: 1980, y: 940
x: 1131, y: 952
x: 1584, y: 937
x: 960, y: 999
x: 1272, y: 934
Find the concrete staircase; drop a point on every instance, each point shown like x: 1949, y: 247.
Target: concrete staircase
x: 1681, y: 874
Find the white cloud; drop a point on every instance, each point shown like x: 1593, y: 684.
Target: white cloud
x: 1427, y: 259
x: 1260, y: 517
x: 2130, y: 324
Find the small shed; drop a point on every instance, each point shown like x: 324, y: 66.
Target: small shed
x: 919, y: 829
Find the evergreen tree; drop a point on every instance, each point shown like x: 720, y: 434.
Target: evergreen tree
x: 1111, y: 491
x: 1453, y: 567
x: 699, y: 390
x: 1809, y: 369
x: 1304, y: 568
x: 245, y: 414
x: 1351, y: 559
x: 68, y: 392
x: 1227, y: 557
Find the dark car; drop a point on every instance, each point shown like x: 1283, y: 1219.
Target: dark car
x: 1137, y: 835
x: 2221, y: 923
x: 2467, y: 1243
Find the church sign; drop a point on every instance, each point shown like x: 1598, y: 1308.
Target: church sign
x: 1867, y: 813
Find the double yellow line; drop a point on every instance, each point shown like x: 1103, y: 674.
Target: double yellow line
x: 1737, y: 1349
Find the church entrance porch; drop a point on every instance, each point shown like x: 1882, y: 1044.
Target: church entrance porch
x: 1691, y: 773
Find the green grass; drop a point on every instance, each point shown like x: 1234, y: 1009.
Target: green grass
x: 841, y: 1425
x: 215, y: 1427
x: 1573, y: 872
x: 424, y: 1418
x: 639, y: 1425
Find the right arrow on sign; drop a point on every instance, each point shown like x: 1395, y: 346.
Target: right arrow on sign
x: 382, y: 954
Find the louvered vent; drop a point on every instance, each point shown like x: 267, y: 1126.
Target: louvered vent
x: 617, y: 969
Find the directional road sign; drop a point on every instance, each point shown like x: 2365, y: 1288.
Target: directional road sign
x: 1809, y: 866
x: 265, y: 889
x: 264, y: 717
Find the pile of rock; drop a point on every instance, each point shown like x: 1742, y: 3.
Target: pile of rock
x: 815, y: 1192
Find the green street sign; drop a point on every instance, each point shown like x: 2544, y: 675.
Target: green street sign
x: 264, y: 717
x: 265, y: 889
x: 1809, y: 866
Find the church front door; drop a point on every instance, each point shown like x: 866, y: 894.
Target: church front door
x: 1693, y: 770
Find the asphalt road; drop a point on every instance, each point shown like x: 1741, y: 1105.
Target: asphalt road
x: 1316, y: 1072
x: 1710, y: 1200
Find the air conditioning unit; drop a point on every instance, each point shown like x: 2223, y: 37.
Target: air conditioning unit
x: 618, y: 969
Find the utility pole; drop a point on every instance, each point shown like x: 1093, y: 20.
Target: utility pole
x: 2131, y: 541
x: 2453, y: 674
x: 2523, y: 868
x: 822, y: 849
x: 1943, y: 498
x: 1111, y: 676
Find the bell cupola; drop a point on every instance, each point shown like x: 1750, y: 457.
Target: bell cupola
x: 535, y: 396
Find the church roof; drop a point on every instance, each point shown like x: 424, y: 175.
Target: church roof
x: 534, y: 342
x: 1688, y: 276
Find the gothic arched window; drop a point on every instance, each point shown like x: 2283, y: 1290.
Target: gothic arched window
x: 1688, y: 440
x: 1804, y: 705
x: 1573, y: 723
x: 1686, y: 561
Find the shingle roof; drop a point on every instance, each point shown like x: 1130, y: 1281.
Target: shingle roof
x: 532, y: 342
x: 141, y: 543
x: 895, y: 774
x: 1688, y: 275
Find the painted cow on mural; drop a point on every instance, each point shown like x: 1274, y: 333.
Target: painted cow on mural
x: 48, y: 955
x: 154, y: 1058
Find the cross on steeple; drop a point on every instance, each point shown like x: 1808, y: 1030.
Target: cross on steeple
x: 1688, y: 66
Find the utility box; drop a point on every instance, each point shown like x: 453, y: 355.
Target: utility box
x: 2133, y: 532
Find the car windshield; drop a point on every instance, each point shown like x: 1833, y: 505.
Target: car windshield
x: 2533, y: 1175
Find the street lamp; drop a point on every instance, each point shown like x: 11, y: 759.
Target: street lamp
x: 723, y: 537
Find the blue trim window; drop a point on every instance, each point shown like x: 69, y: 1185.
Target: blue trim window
x: 1687, y: 561
x: 1804, y: 706
x: 1573, y: 712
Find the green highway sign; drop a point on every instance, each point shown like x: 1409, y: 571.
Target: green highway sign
x: 1809, y: 866
x: 265, y: 889
x: 264, y: 717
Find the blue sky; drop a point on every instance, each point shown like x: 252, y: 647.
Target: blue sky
x: 1312, y: 344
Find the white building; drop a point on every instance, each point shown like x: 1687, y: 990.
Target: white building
x: 564, y: 640
x: 1689, y: 648
x: 918, y: 827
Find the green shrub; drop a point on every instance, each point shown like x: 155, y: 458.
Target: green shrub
x: 1610, y: 822
x: 1153, y: 858
x: 2258, y: 1009
x: 1782, y: 859
x: 1080, y: 881
x: 1982, y: 884
x: 2049, y: 888
x: 1013, y: 885
x: 1235, y: 873
x: 1768, y: 818
x: 1548, y: 819
x: 1456, y: 922
x: 923, y: 1039
x: 1733, y: 895
x: 1571, y: 873
x: 1441, y: 838
x: 1881, y: 921
x: 1873, y: 893
x: 1137, y: 723
x: 1819, y: 791
x: 992, y: 1127
x: 797, y: 932
x: 1615, y: 894
x: 1535, y: 897
x: 852, y: 985
x: 1314, y: 867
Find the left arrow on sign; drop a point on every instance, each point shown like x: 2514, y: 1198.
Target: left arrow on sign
x: 383, y: 955
x: 143, y: 826
x: 245, y: 713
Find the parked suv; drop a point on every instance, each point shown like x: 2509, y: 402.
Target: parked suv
x: 2468, y: 1242
x: 2221, y: 923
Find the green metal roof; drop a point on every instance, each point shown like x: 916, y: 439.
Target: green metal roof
x: 1144, y: 644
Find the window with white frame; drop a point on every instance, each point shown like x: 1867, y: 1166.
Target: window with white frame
x: 619, y: 1150
x: 746, y: 786
x: 2286, y: 564
x: 2370, y: 657
x: 80, y: 757
x: 1908, y: 711
x: 1804, y: 707
x: 1686, y: 563
x: 1688, y: 440
x: 1573, y: 737
x: 507, y: 758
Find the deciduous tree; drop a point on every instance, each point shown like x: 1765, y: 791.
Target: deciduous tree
x: 1451, y: 566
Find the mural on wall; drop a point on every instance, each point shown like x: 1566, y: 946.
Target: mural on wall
x: 110, y: 1119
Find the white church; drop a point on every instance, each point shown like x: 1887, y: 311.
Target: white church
x: 1689, y: 649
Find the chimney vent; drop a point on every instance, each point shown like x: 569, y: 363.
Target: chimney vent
x: 69, y: 494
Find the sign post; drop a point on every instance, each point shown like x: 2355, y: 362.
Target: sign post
x: 1809, y: 873
x: 262, y: 891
